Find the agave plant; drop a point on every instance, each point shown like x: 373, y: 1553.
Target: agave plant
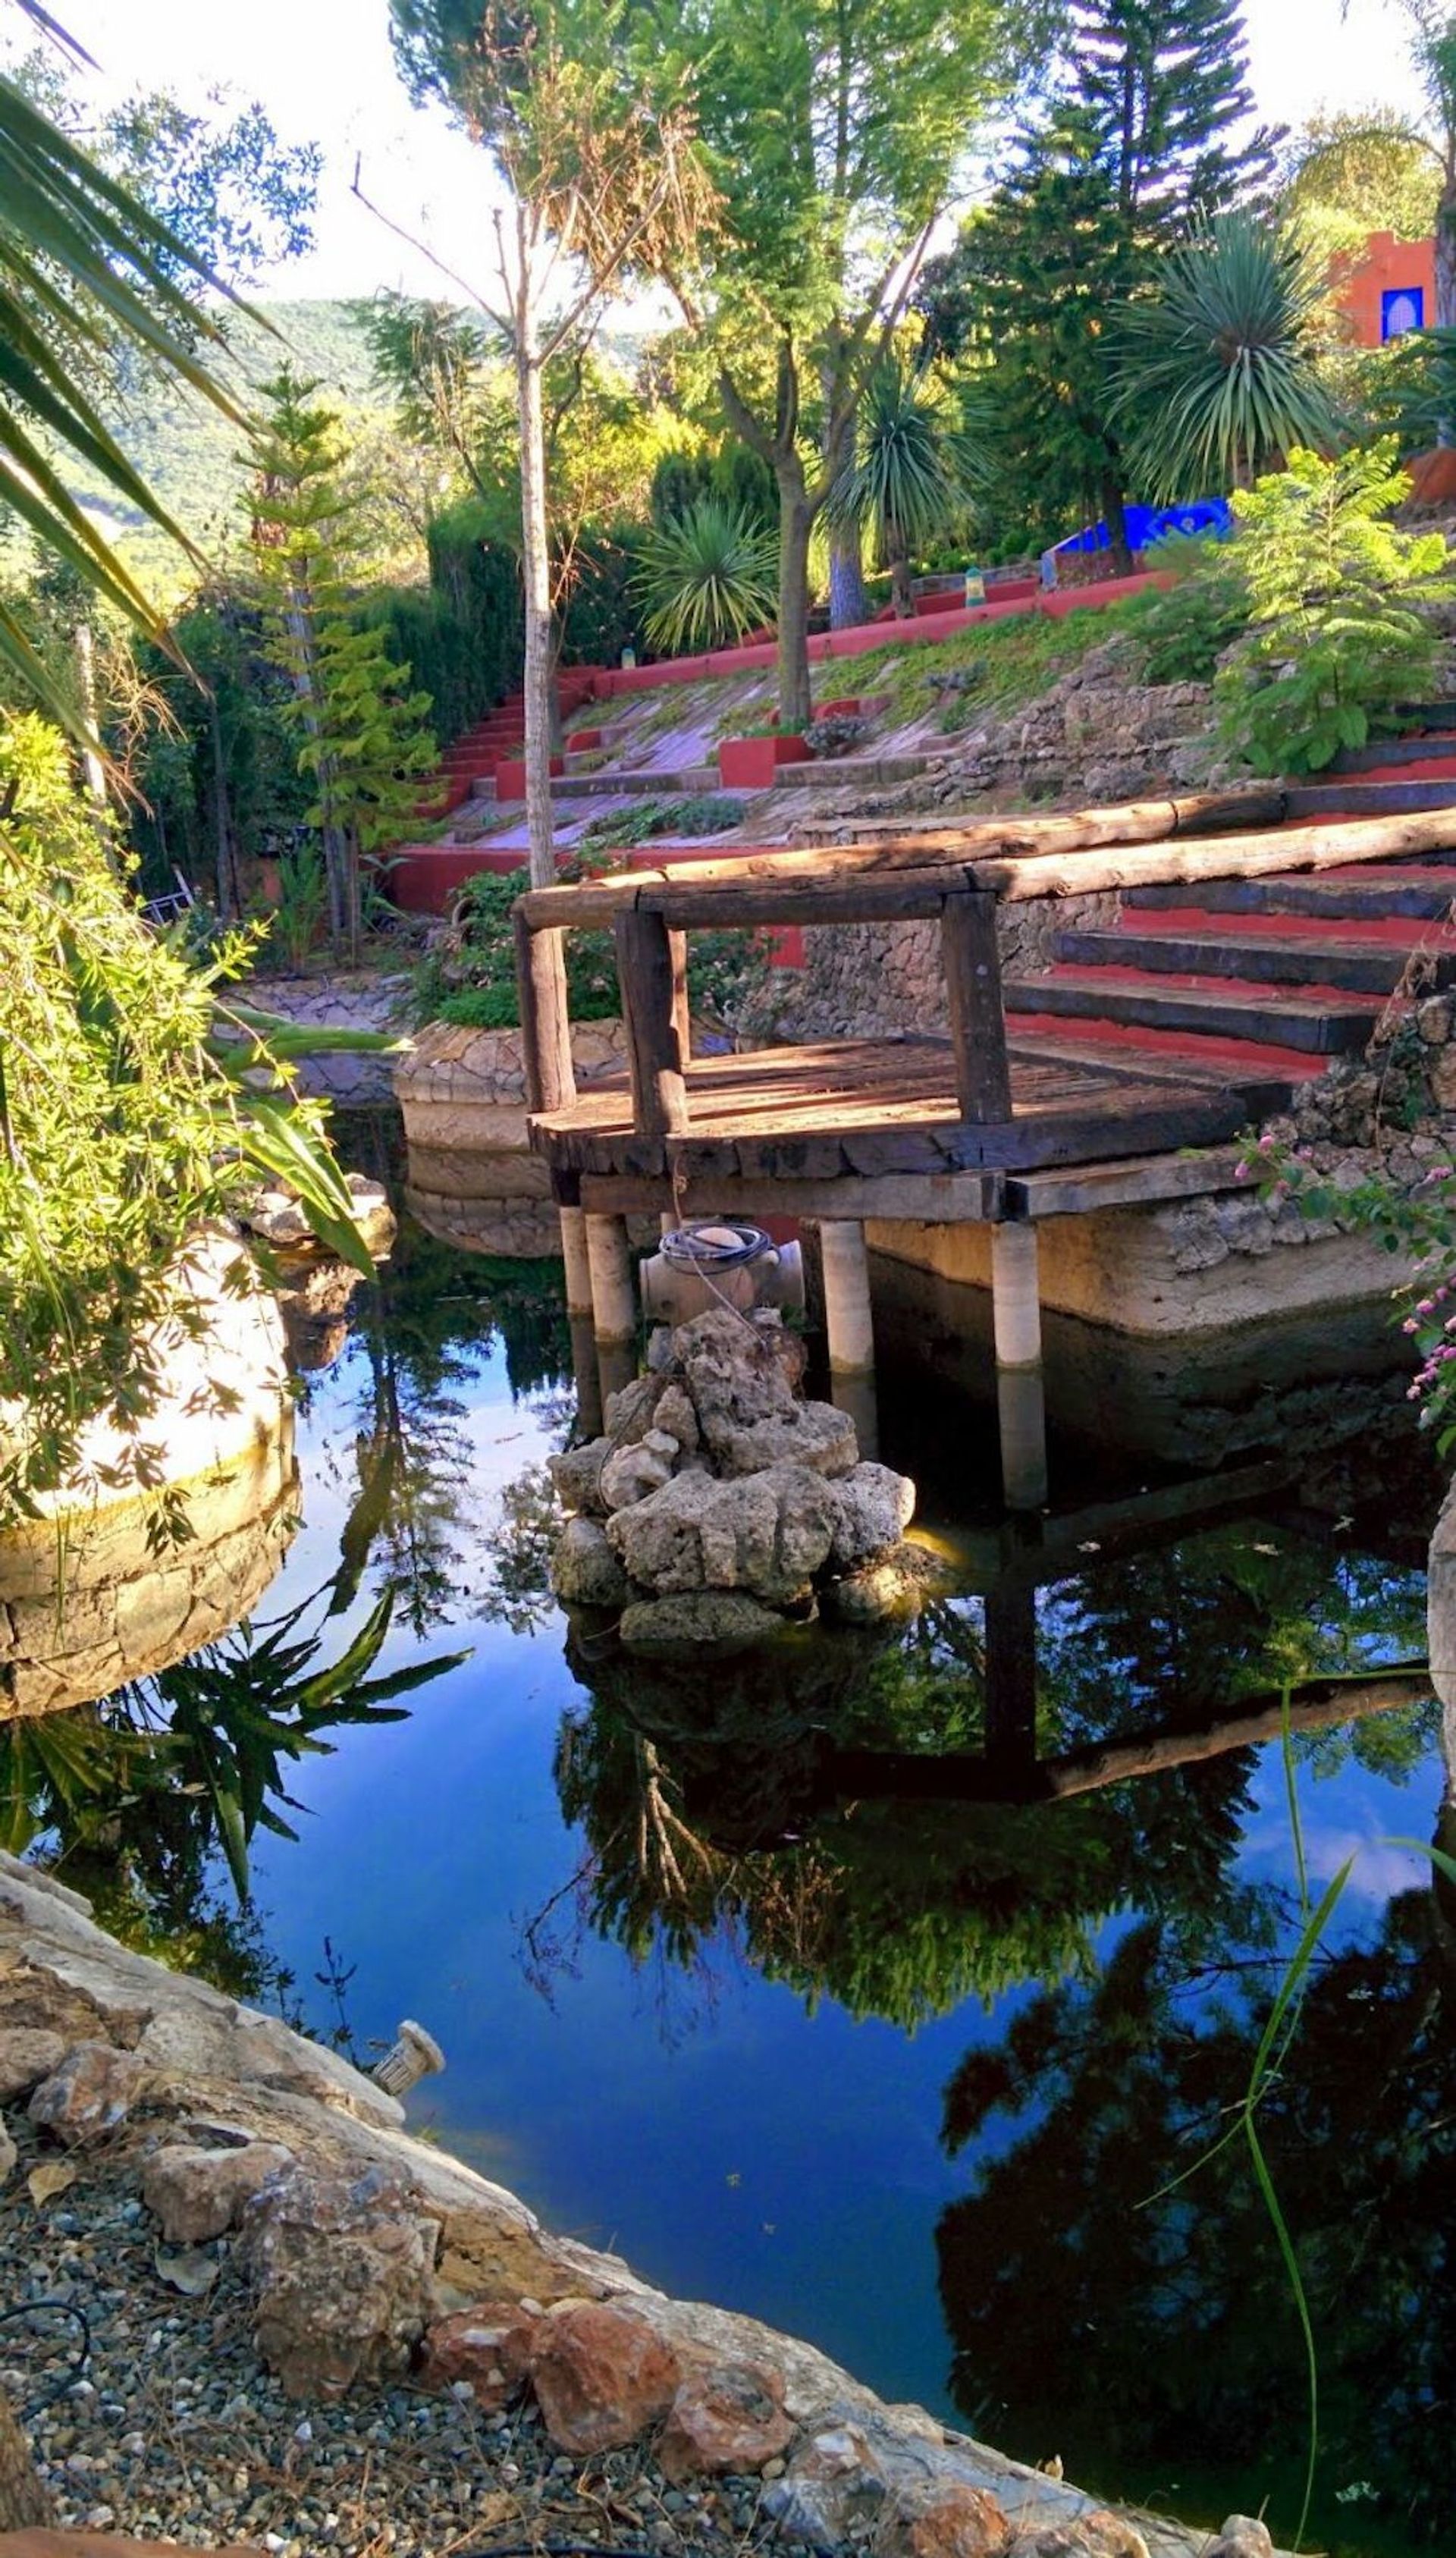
x: 707, y: 576
x: 903, y: 481
x: 83, y: 266
x: 1218, y: 371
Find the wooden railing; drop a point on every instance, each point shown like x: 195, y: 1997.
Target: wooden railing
x: 956, y: 876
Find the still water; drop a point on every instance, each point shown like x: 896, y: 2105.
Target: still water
x: 733, y: 1978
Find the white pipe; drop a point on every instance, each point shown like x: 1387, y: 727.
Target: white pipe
x: 578, y: 1261
x: 847, y: 1315
x: 1016, y: 1308
x: 613, y: 1305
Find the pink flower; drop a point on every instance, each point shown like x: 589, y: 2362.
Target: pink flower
x: 1411, y: 1325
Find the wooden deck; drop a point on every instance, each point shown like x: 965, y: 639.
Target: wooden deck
x: 871, y: 1118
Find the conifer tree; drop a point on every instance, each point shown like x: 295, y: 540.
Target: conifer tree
x: 362, y: 739
x: 1165, y: 83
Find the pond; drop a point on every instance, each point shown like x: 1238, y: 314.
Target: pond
x: 742, y: 1972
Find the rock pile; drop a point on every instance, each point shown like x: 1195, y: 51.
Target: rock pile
x: 718, y: 1502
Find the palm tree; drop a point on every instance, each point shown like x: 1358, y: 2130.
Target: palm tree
x: 1218, y: 371
x: 902, y: 482
x: 83, y: 266
x: 707, y: 576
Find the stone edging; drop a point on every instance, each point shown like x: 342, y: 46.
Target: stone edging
x: 366, y: 2246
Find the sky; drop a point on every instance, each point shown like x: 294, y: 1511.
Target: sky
x: 323, y: 70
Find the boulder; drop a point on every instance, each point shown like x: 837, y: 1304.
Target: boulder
x: 730, y: 2417
x: 602, y: 2375
x: 871, y: 1507
x: 1093, y: 2534
x: 949, y: 2521
x: 630, y: 1410
x: 585, y: 1573
x: 28, y: 2054
x: 488, y: 2348
x: 1243, y: 2536
x: 737, y: 1370
x: 678, y: 1417
x: 8, y: 2152
x: 632, y: 1472
x: 197, y: 2194
x: 766, y: 1533
x: 90, y: 2094
x: 688, y: 1622
x: 892, y: 1584
x: 373, y: 1216
x: 577, y: 1474
x: 340, y: 2268
x: 816, y: 1435
x: 276, y: 1216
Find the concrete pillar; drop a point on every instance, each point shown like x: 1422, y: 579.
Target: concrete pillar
x: 847, y: 1315
x: 1016, y: 1308
x: 616, y: 1368
x: 1021, y: 1412
x: 585, y: 1374
x: 614, y: 1301
x: 858, y: 1395
x: 578, y: 1261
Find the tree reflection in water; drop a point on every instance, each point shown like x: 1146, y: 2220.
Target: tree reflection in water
x: 782, y: 1803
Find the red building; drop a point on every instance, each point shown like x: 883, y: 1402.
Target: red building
x: 1390, y: 289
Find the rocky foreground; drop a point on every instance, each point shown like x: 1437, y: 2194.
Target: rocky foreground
x: 300, y: 2326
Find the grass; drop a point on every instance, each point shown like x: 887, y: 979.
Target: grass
x: 1019, y: 659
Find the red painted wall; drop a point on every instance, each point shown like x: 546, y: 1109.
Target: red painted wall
x: 1387, y: 265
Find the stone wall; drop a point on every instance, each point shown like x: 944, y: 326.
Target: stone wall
x: 471, y: 1177
x: 870, y: 980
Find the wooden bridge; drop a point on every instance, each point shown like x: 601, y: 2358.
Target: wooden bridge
x: 1257, y: 935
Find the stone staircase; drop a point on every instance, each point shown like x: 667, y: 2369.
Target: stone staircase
x: 1278, y: 973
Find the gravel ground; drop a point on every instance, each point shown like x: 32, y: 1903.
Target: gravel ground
x: 171, y: 2430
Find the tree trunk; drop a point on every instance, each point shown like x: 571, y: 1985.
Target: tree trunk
x: 537, y: 683
x: 557, y: 725
x: 1445, y: 265
x: 795, y: 707
x: 1114, y: 517
x: 342, y: 886
x: 25, y: 2504
x: 85, y: 677
x: 902, y: 590
x: 230, y: 901
x: 848, y: 603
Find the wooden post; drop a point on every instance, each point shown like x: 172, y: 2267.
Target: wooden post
x: 648, y: 978
x: 973, y: 967
x: 1016, y: 1310
x: 614, y: 1304
x: 1021, y: 1417
x: 546, y: 1018
x: 681, y: 1012
x: 847, y: 1316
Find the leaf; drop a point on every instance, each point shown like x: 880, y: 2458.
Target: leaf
x: 45, y: 2182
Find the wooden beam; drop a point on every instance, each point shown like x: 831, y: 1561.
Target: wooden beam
x: 1205, y: 812
x: 681, y: 1008
x: 951, y: 1199
x: 1312, y: 848
x: 649, y: 979
x: 546, y: 1018
x: 1098, y: 1185
x: 973, y: 966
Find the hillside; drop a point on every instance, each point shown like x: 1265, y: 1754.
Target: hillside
x: 188, y: 453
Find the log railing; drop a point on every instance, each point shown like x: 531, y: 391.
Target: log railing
x: 956, y: 880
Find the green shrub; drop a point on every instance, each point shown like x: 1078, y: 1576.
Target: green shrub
x: 470, y: 979
x: 122, y: 1132
x: 700, y: 812
x: 1183, y: 630
x: 1338, y: 635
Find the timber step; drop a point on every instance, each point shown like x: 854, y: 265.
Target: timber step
x: 1319, y: 1020
x: 1366, y: 967
x: 1407, y: 889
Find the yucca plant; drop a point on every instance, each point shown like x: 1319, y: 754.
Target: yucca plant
x: 706, y: 577
x: 1217, y: 370
x: 903, y: 481
x: 83, y: 266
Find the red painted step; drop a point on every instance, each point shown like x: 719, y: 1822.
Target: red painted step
x: 1134, y: 1041
x: 1324, y: 1020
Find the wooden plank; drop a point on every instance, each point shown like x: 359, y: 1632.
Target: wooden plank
x: 681, y: 1008
x: 973, y: 964
x: 1138, y: 821
x: 545, y: 1019
x: 1369, y: 798
x: 943, y: 1199
x: 650, y: 982
x: 1126, y: 1185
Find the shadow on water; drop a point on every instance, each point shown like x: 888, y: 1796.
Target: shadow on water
x: 1043, y: 1825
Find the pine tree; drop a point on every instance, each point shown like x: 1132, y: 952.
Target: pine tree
x: 1166, y: 85
x: 362, y: 739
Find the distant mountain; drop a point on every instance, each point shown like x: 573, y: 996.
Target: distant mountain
x: 191, y: 454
